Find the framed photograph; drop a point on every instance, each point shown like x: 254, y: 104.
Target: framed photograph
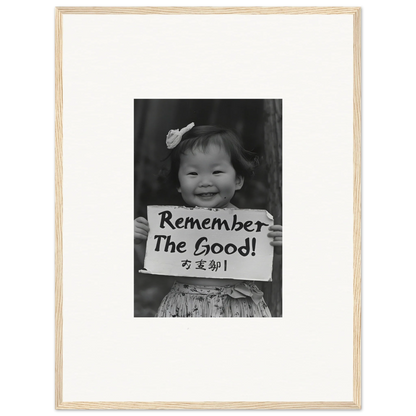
x: 208, y: 165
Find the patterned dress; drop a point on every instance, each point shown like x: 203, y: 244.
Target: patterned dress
x: 242, y: 300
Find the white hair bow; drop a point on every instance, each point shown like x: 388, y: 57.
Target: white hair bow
x: 174, y: 137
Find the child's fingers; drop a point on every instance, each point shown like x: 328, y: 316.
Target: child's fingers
x: 276, y: 233
x: 141, y: 220
x: 272, y: 233
x: 141, y: 223
x: 276, y: 227
x: 140, y: 236
x: 143, y: 227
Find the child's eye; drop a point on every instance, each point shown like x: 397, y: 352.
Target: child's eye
x: 217, y: 171
x: 192, y: 173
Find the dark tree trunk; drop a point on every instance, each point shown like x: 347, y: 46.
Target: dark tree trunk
x: 273, y: 151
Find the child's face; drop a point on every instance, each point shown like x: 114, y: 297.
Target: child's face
x: 207, y: 178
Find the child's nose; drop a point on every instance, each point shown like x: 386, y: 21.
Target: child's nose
x: 205, y: 180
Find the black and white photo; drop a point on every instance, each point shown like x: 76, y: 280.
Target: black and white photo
x: 225, y: 158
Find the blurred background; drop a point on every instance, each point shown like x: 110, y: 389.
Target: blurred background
x: 259, y: 125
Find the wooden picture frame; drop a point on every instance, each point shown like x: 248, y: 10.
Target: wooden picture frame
x: 61, y: 129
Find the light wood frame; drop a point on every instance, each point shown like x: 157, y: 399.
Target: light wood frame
x: 356, y: 14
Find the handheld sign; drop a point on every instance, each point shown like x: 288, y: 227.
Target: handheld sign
x: 209, y: 242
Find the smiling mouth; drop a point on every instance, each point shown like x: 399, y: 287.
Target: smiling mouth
x: 207, y: 194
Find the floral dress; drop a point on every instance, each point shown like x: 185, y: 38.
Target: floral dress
x: 242, y: 300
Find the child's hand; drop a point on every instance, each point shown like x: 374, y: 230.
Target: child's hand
x: 141, y: 230
x: 276, y: 232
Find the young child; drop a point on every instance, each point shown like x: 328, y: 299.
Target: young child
x: 208, y: 165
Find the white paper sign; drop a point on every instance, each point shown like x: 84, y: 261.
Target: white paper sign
x: 212, y: 243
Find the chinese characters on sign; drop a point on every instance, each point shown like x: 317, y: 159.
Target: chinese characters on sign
x: 200, y: 264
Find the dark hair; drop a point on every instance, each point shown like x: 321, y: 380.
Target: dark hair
x: 242, y: 160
